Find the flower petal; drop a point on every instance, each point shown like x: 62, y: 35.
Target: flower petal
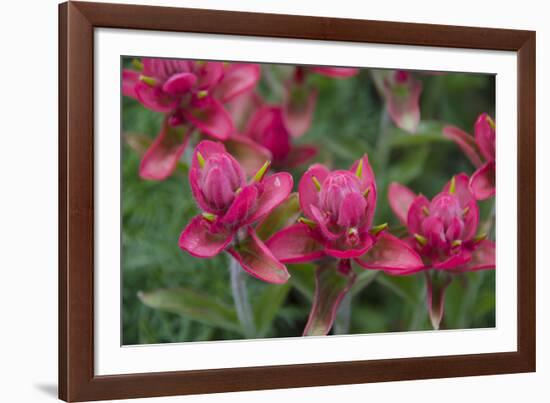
x: 210, y: 117
x: 341, y: 250
x: 462, y: 189
x: 482, y: 182
x: 207, y: 148
x: 179, y: 84
x: 465, y: 141
x: 331, y: 286
x: 154, y: 98
x: 308, y: 193
x: 299, y: 154
x: 335, y: 72
x: 161, y: 158
x: 416, y: 215
x: 162, y: 69
x: 238, y: 78
x: 323, y: 223
x: 273, y: 191
x: 471, y: 220
x: 392, y: 255
x: 453, y: 261
x: 258, y: 260
x: 296, y: 244
x: 129, y: 80
x: 403, y: 104
x: 199, y: 240
x: 483, y: 257
x: 209, y: 74
x: 400, y: 198
x: 367, y: 181
x: 250, y: 154
x: 245, y: 202
x: 298, y: 109
x: 485, y: 136
x: 267, y: 128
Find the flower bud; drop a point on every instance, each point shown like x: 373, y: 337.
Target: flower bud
x: 341, y: 199
x: 219, y: 181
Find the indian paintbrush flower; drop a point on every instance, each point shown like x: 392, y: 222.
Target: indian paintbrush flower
x: 401, y: 91
x: 444, y: 232
x: 481, y: 150
x: 338, y: 210
x: 191, y: 94
x: 230, y: 206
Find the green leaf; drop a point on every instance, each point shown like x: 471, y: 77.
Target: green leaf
x: 196, y: 306
x: 267, y: 306
x: 284, y: 215
x: 302, y: 277
x: 409, y: 166
x: 428, y: 132
x: 406, y: 287
x: 363, y: 280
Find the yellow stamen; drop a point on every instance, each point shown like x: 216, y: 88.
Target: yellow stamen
x: 316, y: 183
x: 480, y: 237
x: 150, y: 81
x: 452, y: 187
x: 261, y: 172
x: 201, y: 160
x: 420, y: 239
x: 307, y: 221
x: 491, y: 122
x: 378, y: 229
x: 209, y: 216
x: 138, y: 65
x: 359, y: 169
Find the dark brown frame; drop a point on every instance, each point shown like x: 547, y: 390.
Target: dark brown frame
x: 77, y: 21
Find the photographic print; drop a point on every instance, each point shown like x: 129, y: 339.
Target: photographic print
x: 267, y: 200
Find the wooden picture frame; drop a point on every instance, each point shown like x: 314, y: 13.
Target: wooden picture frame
x: 77, y: 22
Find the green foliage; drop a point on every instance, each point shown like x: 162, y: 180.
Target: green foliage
x: 170, y: 296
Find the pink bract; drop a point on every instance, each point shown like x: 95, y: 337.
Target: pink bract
x: 230, y: 204
x: 481, y: 146
x: 192, y: 95
x: 339, y: 208
x: 444, y: 232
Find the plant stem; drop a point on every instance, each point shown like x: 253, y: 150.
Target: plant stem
x: 240, y: 297
x: 343, y: 315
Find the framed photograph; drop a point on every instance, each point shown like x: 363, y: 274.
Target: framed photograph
x: 257, y: 201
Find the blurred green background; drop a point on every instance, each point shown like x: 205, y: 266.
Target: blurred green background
x: 348, y: 121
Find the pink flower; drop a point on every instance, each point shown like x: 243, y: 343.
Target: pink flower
x: 268, y: 128
x: 339, y: 208
x: 401, y: 92
x: 191, y: 94
x: 478, y: 148
x: 230, y: 206
x: 301, y: 98
x: 444, y: 232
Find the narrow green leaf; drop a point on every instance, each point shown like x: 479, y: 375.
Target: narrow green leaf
x: 302, y: 277
x: 196, y: 306
x: 267, y: 306
x: 405, y: 287
x: 363, y: 280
